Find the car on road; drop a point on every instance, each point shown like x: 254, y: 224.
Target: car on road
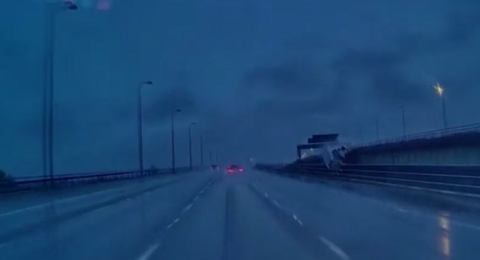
x: 234, y: 168
x: 215, y: 167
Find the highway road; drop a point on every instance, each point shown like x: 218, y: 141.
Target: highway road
x: 251, y: 215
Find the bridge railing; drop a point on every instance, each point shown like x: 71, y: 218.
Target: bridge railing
x: 424, y: 135
x: 453, y: 181
x: 23, y: 184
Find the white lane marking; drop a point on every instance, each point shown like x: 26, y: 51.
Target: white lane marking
x: 276, y: 203
x: 298, y: 220
x: 401, y: 210
x: 169, y: 226
x: 187, y: 208
x: 337, y: 250
x: 176, y: 220
x: 149, y: 252
x: 196, y: 198
x: 255, y: 186
x: 101, y: 209
x: 266, y: 195
x: 202, y: 191
x: 122, y: 189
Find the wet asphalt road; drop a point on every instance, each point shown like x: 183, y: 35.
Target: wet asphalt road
x: 252, y: 215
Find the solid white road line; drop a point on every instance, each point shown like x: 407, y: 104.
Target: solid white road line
x: 337, y: 250
x: 266, y: 195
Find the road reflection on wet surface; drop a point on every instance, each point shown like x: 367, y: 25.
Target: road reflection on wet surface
x: 249, y: 215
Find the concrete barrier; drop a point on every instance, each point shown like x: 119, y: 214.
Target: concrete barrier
x: 473, y: 170
x: 461, y: 180
x: 25, y: 184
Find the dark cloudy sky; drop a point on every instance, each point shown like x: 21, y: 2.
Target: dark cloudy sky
x: 259, y: 76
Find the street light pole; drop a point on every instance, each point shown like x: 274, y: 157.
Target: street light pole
x: 403, y: 120
x: 190, y: 143
x: 140, y: 124
x: 445, y: 125
x: 201, y: 148
x: 439, y: 89
x: 172, y: 114
x: 376, y: 128
x: 48, y: 88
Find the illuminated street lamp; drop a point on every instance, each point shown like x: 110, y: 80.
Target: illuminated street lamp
x: 440, y: 91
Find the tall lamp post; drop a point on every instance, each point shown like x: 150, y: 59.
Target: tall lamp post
x: 140, y: 124
x: 403, y: 120
x: 48, y: 87
x: 172, y: 118
x: 440, y: 91
x: 190, y: 143
x: 201, y: 148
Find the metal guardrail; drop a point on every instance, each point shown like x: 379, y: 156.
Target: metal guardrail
x: 424, y: 135
x: 453, y: 182
x: 23, y: 184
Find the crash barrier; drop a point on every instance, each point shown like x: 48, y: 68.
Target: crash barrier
x: 459, y: 179
x: 24, y: 184
x: 441, y: 133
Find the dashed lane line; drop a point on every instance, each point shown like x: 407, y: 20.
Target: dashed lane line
x: 334, y: 248
x: 187, y: 208
x: 298, y: 220
x: 337, y: 250
x: 147, y: 254
x: 276, y: 203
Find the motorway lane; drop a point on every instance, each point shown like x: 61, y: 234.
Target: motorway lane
x: 25, y: 217
x: 376, y: 227
x: 108, y: 232
x: 233, y: 222
x: 253, y: 215
x: 33, y: 199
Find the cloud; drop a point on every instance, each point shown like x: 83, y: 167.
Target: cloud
x: 262, y: 84
x: 380, y: 72
x: 298, y: 77
x: 158, y: 108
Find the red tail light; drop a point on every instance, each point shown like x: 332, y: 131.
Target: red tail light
x: 240, y: 169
